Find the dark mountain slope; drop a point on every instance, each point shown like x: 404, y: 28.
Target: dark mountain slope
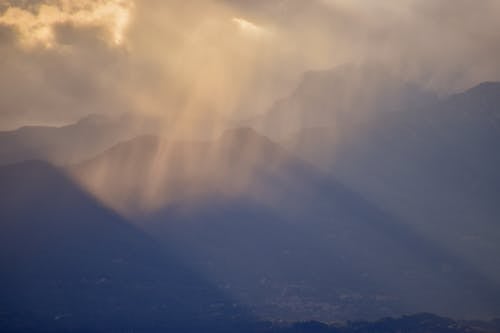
x: 289, y: 240
x: 435, y: 167
x: 67, y: 263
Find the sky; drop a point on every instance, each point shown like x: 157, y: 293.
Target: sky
x: 214, y: 61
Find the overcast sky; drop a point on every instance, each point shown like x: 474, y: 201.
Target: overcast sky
x: 184, y: 59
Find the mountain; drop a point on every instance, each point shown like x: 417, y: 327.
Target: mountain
x: 417, y: 323
x: 149, y: 172
x: 70, y: 264
x: 70, y: 143
x: 284, y: 238
x: 340, y: 98
x: 435, y: 167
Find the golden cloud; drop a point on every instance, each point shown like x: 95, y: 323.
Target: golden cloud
x: 36, y: 25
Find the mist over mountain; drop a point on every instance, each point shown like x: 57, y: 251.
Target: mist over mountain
x: 317, y: 249
x: 73, y: 142
x: 333, y: 227
x: 353, y: 225
x: 435, y: 167
x: 340, y: 98
x: 261, y: 166
x: 68, y: 263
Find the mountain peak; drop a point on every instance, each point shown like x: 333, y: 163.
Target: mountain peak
x: 242, y: 134
x: 485, y: 96
x: 489, y: 84
x: 92, y: 119
x: 487, y: 88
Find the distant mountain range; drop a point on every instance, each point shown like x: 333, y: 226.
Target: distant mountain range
x: 340, y: 97
x: 435, y: 167
x: 244, y: 196
x: 418, y: 323
x: 71, y: 143
x: 358, y: 197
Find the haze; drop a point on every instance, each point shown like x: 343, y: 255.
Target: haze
x: 289, y: 160
x: 184, y: 60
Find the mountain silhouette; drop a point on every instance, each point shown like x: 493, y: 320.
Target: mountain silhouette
x: 68, y: 263
x: 340, y: 97
x: 70, y: 143
x: 287, y: 239
x: 434, y: 166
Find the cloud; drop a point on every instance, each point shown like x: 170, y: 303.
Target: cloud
x: 60, y: 60
x: 249, y: 28
x: 446, y: 45
x: 195, y: 61
x: 187, y: 61
x: 35, y: 21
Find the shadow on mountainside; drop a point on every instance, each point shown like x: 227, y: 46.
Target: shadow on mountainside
x: 69, y: 264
